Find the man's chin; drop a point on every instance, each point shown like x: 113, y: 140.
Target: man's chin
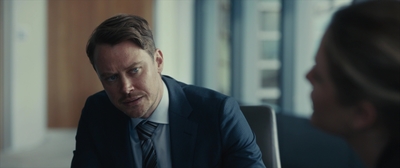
x: 133, y: 114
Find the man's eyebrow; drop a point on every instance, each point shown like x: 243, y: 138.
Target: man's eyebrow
x: 134, y: 64
x: 105, y: 74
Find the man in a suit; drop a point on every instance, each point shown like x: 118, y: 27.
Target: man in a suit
x: 145, y: 119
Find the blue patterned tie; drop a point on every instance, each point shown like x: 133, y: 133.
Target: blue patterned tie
x: 145, y: 130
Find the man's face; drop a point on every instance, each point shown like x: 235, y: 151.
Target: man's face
x: 329, y: 114
x: 130, y: 77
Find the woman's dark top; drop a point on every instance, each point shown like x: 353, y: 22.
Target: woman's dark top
x: 390, y: 157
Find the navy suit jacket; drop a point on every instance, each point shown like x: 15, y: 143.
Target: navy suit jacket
x: 207, y: 129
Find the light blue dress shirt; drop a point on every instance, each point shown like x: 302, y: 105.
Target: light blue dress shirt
x: 160, y: 136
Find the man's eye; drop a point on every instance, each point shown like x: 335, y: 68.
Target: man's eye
x: 112, y: 78
x: 135, y: 70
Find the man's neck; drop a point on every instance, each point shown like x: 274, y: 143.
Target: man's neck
x: 158, y: 99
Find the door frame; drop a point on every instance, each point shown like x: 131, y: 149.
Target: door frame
x: 1, y: 78
x: 5, y: 123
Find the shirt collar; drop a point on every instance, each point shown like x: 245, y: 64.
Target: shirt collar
x: 160, y: 114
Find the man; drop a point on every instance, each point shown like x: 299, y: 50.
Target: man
x: 144, y: 119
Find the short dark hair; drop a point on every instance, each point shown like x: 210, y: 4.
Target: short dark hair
x: 120, y: 28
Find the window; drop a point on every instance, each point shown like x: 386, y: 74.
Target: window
x: 259, y: 51
x: 303, y: 26
x: 268, y: 61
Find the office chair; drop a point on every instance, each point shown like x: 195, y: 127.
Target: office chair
x: 262, y: 121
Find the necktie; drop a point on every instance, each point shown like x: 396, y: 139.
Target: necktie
x: 145, y: 130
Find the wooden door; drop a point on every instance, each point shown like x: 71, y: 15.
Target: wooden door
x: 71, y: 78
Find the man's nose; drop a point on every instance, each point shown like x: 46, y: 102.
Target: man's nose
x: 127, y: 85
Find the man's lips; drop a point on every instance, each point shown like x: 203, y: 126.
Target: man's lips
x: 131, y: 100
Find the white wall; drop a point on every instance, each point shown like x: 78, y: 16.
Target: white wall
x: 25, y: 75
x: 173, y: 34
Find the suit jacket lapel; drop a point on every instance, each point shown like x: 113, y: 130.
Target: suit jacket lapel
x: 182, y: 130
x: 118, y: 139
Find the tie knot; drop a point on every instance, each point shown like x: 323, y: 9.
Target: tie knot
x: 145, y: 129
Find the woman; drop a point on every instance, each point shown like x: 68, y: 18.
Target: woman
x: 356, y: 81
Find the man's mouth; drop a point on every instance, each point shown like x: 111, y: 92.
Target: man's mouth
x: 132, y: 101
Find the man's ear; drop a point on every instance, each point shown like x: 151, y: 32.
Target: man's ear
x: 365, y: 115
x: 159, y: 60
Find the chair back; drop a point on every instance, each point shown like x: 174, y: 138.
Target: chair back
x: 262, y: 121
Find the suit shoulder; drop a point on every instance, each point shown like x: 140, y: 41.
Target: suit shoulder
x: 99, y: 99
x: 197, y: 91
x: 199, y: 97
x: 99, y: 96
x: 204, y: 97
